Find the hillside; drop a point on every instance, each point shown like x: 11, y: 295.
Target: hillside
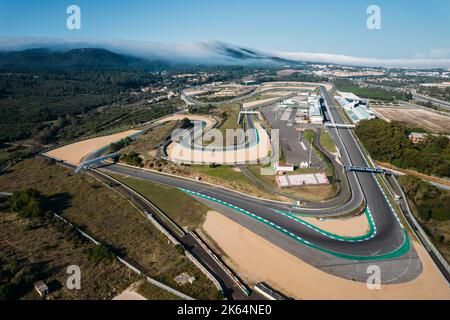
x: 89, y: 58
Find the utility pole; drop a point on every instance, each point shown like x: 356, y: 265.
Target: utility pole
x: 310, y: 153
x: 300, y: 131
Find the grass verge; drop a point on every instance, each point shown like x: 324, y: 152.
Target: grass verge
x: 185, y: 210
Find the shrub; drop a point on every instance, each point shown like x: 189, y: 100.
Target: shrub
x: 99, y: 254
x: 28, y: 203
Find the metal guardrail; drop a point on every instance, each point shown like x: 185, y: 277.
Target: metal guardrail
x: 205, y: 271
x: 268, y: 292
x: 84, y: 165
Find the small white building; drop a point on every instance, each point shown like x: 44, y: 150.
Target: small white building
x: 285, y: 168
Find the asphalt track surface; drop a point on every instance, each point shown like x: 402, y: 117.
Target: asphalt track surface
x: 386, y: 245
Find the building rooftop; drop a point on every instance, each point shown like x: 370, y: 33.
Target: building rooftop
x: 349, y: 96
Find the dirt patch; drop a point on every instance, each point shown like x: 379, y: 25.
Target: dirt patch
x: 130, y: 293
x: 428, y: 120
x: 414, y: 173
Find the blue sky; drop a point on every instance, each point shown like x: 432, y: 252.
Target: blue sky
x: 409, y: 28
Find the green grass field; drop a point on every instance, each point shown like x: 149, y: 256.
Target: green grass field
x: 326, y: 142
x: 371, y: 93
x: 230, y: 122
x: 185, y: 210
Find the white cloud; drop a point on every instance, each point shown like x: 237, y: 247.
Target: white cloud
x: 212, y: 52
x: 440, y: 53
x: 417, y: 62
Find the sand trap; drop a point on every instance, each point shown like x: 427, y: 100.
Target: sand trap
x: 353, y: 227
x: 75, y: 152
x: 248, y: 253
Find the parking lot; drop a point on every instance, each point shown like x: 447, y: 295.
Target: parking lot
x: 295, y: 147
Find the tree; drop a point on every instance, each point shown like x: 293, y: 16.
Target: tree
x: 28, y: 203
x: 185, y: 123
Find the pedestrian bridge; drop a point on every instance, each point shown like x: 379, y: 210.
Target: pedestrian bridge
x: 85, y: 165
x: 340, y: 125
x: 364, y: 169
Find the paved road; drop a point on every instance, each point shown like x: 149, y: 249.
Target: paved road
x: 426, y: 99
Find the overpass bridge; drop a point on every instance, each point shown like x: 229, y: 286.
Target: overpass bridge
x: 364, y: 169
x: 340, y: 125
x: 86, y: 164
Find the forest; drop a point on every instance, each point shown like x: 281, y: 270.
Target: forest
x: 389, y: 142
x: 52, y: 105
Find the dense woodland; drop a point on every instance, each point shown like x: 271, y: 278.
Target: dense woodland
x: 389, y: 142
x: 429, y: 201
x: 45, y: 104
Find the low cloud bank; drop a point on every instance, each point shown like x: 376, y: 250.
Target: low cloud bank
x: 219, y: 53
